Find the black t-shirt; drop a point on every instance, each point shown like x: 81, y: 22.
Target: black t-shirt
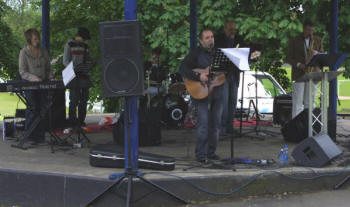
x: 197, y: 58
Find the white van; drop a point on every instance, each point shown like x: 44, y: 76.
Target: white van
x: 267, y: 88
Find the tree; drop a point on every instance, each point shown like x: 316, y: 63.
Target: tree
x: 9, y: 48
x: 165, y: 23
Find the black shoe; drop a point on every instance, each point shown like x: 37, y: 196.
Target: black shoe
x: 214, y: 157
x: 203, y: 161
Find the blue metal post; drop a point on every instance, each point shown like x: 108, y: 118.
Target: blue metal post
x: 45, y: 16
x: 333, y: 50
x: 193, y: 24
x: 130, y: 13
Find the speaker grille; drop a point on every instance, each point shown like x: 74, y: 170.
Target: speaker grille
x: 121, y: 76
x: 122, y: 68
x: 119, y: 40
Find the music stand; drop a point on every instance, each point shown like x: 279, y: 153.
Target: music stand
x: 221, y: 63
x: 321, y: 60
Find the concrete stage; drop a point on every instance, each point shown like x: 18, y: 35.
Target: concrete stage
x: 37, y: 177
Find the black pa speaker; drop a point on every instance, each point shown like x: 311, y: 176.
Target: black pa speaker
x: 296, y: 129
x: 122, y: 67
x: 316, y: 151
x: 282, y: 109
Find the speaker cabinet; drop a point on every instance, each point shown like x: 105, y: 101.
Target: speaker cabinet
x: 316, y: 151
x: 122, y: 67
x: 296, y: 129
x: 282, y: 109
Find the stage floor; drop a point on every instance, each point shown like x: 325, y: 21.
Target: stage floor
x: 65, y: 178
x: 177, y: 143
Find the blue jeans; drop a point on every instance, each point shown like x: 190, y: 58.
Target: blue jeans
x: 226, y: 120
x: 208, y: 126
x: 36, y: 100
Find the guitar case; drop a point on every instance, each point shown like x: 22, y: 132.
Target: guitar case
x: 112, y: 156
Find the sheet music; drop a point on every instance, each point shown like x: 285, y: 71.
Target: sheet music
x: 238, y: 56
x: 68, y: 73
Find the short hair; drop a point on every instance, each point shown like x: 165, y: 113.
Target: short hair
x: 29, y: 34
x: 202, y: 31
x: 308, y: 23
x: 157, y: 50
x: 84, y: 33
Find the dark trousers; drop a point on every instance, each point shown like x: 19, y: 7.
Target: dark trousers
x: 228, y: 114
x: 208, y: 126
x: 78, y: 98
x: 36, y: 101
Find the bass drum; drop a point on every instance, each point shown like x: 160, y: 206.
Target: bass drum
x: 174, y: 110
x: 177, y: 85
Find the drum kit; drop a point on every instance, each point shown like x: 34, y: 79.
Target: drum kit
x: 170, y: 97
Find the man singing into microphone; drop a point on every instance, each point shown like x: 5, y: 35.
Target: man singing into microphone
x: 209, y: 109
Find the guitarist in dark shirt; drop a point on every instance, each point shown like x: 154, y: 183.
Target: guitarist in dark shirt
x: 195, y: 68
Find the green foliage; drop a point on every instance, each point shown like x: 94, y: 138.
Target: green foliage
x: 9, y: 47
x: 165, y: 23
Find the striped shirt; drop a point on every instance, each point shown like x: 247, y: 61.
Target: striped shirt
x: 75, y: 51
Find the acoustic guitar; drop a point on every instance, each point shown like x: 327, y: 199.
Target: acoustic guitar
x: 198, y: 89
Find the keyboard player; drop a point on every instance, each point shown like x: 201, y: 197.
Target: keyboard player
x: 34, y: 66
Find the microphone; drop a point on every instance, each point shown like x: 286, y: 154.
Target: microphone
x: 211, y: 45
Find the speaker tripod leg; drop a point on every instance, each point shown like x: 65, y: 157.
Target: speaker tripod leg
x: 129, y: 191
x: 162, y: 189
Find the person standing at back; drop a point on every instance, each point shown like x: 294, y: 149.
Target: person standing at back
x: 300, y: 50
x: 229, y: 39
x: 77, y: 50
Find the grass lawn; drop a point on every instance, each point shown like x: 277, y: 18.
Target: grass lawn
x: 344, y: 90
x: 8, y: 104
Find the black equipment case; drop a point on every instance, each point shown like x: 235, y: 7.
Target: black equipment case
x: 112, y: 156
x: 149, y: 125
x: 282, y: 109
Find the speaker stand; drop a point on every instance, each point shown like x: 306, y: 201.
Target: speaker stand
x: 131, y: 156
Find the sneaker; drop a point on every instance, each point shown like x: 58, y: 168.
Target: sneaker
x: 214, y: 157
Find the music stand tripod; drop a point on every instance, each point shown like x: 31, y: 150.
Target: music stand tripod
x: 131, y: 157
x: 256, y: 129
x: 77, y: 128
x: 55, y: 139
